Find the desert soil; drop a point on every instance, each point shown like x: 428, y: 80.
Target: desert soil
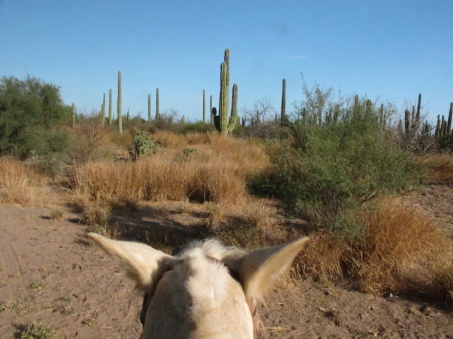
x: 50, y: 273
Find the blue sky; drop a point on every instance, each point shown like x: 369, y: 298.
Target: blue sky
x: 392, y: 49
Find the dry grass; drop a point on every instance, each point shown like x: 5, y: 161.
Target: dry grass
x: 405, y: 252
x: 440, y: 168
x: 18, y: 182
x: 218, y: 172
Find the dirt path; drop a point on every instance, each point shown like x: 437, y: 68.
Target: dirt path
x: 49, y: 273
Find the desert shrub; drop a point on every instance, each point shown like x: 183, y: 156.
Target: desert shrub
x: 197, y: 127
x: 52, y: 151
x: 88, y: 141
x: 25, y: 106
x: 327, y: 169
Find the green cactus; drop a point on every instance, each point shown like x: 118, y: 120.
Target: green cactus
x: 73, y: 110
x: 110, y: 107
x: 417, y: 115
x: 407, y: 121
x: 149, y: 107
x: 204, y: 106
x: 210, y: 109
x: 103, y: 112
x: 450, y: 113
x: 157, y: 105
x: 120, y: 105
x: 234, y: 109
x: 283, y: 110
x: 223, y: 99
x: 142, y: 145
x: 437, y: 132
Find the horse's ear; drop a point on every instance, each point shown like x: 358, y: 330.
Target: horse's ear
x: 142, y: 263
x: 259, y: 270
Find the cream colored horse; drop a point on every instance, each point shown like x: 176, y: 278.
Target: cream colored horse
x: 207, y: 291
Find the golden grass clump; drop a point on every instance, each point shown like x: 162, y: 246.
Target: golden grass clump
x: 18, y: 182
x: 440, y: 167
x: 216, y: 172
x: 405, y: 252
x: 322, y: 258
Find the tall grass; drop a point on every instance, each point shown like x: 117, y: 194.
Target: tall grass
x: 405, y: 252
x: 440, y: 168
x: 217, y: 171
x: 18, y: 182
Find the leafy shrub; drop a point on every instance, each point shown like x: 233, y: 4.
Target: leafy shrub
x: 25, y: 106
x: 327, y: 169
x: 197, y: 127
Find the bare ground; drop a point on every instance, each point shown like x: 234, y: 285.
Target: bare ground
x: 49, y: 273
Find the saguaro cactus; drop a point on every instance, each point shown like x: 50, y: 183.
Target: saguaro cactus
x: 417, y: 115
x: 157, y: 105
x: 283, y: 110
x: 120, y: 105
x: 223, y: 99
x: 210, y: 108
x: 110, y: 108
x: 149, y: 107
x: 103, y: 112
x: 204, y: 106
x: 234, y: 109
x: 73, y: 114
x: 450, y: 113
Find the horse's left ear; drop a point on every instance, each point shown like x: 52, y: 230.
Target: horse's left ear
x: 141, y: 262
x: 259, y: 270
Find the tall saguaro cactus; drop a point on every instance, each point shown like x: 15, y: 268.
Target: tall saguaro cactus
x: 417, y: 115
x: 204, y: 106
x: 149, y: 107
x: 157, y: 105
x: 450, y: 114
x: 120, y: 105
x: 110, y: 108
x: 234, y: 109
x: 73, y: 114
x: 223, y: 99
x: 103, y: 112
x: 283, y: 110
x: 210, y: 108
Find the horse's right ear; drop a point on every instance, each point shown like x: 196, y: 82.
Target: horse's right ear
x: 259, y: 270
x: 141, y: 262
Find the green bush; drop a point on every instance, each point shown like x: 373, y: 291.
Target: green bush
x: 197, y: 127
x: 329, y: 169
x: 25, y: 107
